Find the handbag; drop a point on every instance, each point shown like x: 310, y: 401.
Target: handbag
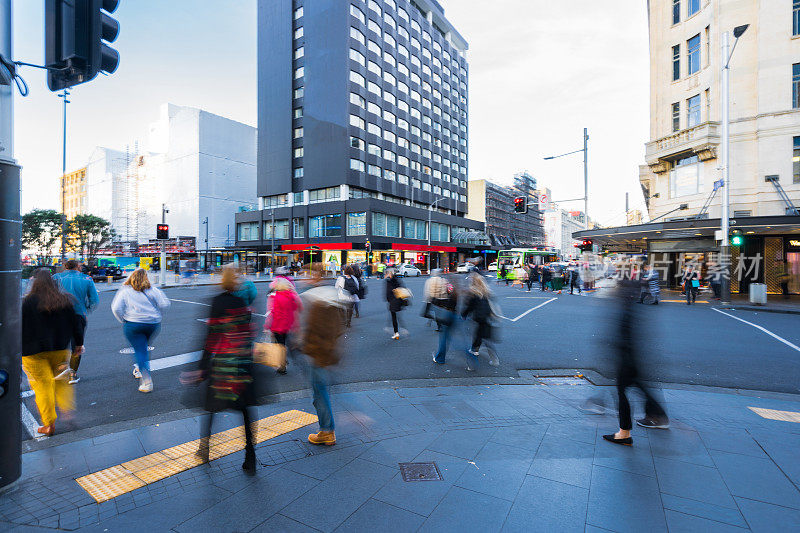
x: 401, y: 293
x: 695, y: 283
x: 269, y: 353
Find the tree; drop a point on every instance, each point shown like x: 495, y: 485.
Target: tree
x: 41, y: 231
x: 89, y: 233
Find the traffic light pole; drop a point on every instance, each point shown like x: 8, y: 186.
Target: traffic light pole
x: 724, y: 249
x: 64, y: 94
x: 162, y: 279
x: 10, y: 273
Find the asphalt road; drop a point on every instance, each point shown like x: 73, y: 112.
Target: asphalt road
x: 683, y: 344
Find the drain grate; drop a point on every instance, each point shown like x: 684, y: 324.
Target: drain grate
x: 420, y: 472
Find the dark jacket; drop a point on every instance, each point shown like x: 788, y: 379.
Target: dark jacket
x: 481, y: 311
x: 688, y: 277
x: 228, y: 355
x: 48, y: 332
x: 323, y: 325
x: 395, y: 303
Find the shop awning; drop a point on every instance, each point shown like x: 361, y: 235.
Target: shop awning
x: 422, y: 248
x: 318, y: 246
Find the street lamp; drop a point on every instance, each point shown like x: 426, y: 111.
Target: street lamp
x: 726, y: 54
x: 585, y: 151
x: 430, y: 212
x: 205, y: 263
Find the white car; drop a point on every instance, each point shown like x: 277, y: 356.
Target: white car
x: 407, y: 269
x: 463, y: 268
x: 493, y: 266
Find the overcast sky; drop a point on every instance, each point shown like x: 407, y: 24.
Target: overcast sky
x: 540, y: 71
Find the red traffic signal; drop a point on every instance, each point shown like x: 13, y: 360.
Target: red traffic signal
x: 520, y: 204
x: 162, y: 231
x: 586, y: 245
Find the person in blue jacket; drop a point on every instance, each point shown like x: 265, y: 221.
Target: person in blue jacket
x: 85, y: 298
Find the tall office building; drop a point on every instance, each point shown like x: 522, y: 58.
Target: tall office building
x: 72, y: 188
x: 362, y: 133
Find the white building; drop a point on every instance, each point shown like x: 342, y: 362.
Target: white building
x: 196, y: 163
x: 559, y: 225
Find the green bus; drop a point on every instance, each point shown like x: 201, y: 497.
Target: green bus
x: 517, y: 257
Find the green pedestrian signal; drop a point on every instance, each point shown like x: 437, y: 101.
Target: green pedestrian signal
x: 737, y: 239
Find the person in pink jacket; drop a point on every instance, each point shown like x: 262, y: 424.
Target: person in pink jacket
x: 283, y: 307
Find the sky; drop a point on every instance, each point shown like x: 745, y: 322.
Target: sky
x: 540, y: 71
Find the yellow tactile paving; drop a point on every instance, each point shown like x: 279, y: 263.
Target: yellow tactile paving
x: 131, y: 475
x: 772, y: 414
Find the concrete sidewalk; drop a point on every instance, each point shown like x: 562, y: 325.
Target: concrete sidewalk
x: 511, y: 457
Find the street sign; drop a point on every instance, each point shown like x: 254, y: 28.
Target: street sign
x: 544, y: 202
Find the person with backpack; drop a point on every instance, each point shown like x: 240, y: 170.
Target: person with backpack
x: 139, y: 307
x: 348, y: 287
x: 321, y: 331
x: 85, y: 298
x: 478, y: 304
x: 444, y: 299
x: 362, y: 289
x: 691, y: 284
x: 49, y: 325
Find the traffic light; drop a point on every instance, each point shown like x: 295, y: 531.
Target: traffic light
x: 520, y: 204
x: 162, y: 231
x: 76, y: 33
x: 586, y: 245
x: 737, y: 239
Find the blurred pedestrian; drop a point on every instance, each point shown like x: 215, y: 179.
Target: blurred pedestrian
x: 362, y: 290
x: 627, y: 349
x: 347, y: 285
x: 479, y: 306
x: 574, y: 280
x: 649, y: 284
x: 49, y: 325
x: 227, y: 365
x: 530, y: 270
x: 444, y: 298
x: 545, y: 278
x: 246, y: 289
x: 85, y: 298
x: 396, y: 297
x: 321, y: 331
x: 283, y: 306
x: 381, y: 268
x: 504, y: 272
x: 691, y: 284
x: 783, y: 279
x: 139, y: 307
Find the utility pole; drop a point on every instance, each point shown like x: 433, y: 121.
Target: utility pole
x: 205, y: 263
x: 10, y: 273
x: 162, y: 279
x: 64, y: 94
x: 586, y: 178
x: 272, y: 241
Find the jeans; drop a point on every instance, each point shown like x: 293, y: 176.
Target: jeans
x: 75, y: 360
x: 40, y: 369
x: 446, y: 321
x: 394, y: 321
x: 139, y: 334
x: 627, y: 376
x: 322, y: 401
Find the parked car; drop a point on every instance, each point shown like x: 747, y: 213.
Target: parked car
x: 493, y: 266
x: 463, y: 268
x: 407, y: 269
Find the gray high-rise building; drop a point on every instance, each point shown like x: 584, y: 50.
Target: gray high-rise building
x: 362, y: 132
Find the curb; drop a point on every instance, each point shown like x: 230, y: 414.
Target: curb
x: 760, y: 309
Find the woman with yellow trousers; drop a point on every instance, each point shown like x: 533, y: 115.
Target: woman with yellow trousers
x: 49, y: 324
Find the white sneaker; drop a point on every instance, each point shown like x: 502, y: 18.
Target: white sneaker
x: 396, y: 336
x: 136, y: 372
x: 146, y: 385
x: 64, y: 374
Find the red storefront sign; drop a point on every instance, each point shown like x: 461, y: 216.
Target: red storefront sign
x: 320, y: 246
x: 422, y: 248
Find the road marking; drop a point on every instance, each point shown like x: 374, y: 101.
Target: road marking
x: 772, y: 414
x: 765, y: 330
x: 529, y: 310
x: 175, y: 360
x: 30, y: 422
x: 528, y: 297
x: 206, y: 305
x: 107, y: 484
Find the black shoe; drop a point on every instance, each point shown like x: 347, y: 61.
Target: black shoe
x: 249, y: 464
x: 627, y: 441
x: 654, y: 423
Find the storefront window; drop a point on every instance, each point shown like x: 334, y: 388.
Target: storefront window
x: 796, y: 160
x: 325, y: 226
x: 686, y: 178
x: 248, y: 231
x: 356, y: 223
x: 384, y: 225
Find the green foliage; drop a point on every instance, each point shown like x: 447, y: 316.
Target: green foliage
x: 41, y: 232
x: 89, y: 233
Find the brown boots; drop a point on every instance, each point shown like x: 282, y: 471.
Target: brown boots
x: 328, y: 438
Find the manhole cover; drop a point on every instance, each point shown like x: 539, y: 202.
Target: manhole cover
x: 130, y: 350
x: 420, y: 472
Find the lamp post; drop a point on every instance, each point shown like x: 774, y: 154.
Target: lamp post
x: 162, y: 278
x: 430, y: 212
x: 585, y: 198
x: 725, y: 263
x: 64, y: 94
x: 205, y: 263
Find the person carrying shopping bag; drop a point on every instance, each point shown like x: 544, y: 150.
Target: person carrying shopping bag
x: 49, y: 325
x: 139, y: 306
x: 444, y: 299
x: 397, y: 297
x: 283, y: 306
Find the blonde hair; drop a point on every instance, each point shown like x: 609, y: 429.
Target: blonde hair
x: 138, y: 280
x: 281, y: 284
x: 479, y: 287
x: 230, y: 278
